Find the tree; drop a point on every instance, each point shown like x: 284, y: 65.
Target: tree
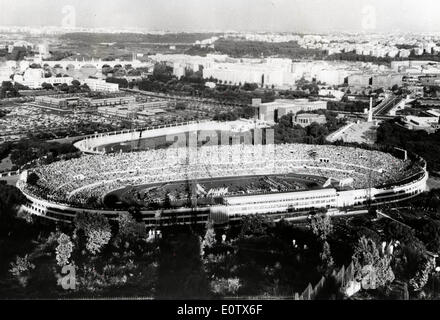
x: 7, y: 90
x: 327, y: 262
x: 430, y: 234
x: 422, y: 276
x: 123, y: 83
x: 254, y: 225
x: 321, y: 226
x: 96, y: 229
x: 315, y: 130
x: 85, y: 88
x: 398, y: 231
x: 372, y: 268
x: 395, y: 87
x: 97, y: 238
x: 209, y: 239
x: 64, y: 87
x: 46, y: 86
x: 63, y: 250
x: 167, y: 201
x: 135, y: 213
x: 128, y: 227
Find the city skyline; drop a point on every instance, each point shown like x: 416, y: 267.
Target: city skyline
x: 196, y: 15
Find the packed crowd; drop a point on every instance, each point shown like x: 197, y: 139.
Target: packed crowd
x: 85, y: 181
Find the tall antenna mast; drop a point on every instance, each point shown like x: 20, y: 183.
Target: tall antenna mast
x: 370, y: 158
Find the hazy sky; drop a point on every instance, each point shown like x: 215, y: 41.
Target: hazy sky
x: 240, y: 15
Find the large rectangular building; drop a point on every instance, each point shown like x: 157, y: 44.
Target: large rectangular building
x: 306, y: 119
x: 111, y: 101
x: 101, y: 85
x: 58, y: 101
x: 271, y: 112
x: 386, y: 80
x: 359, y: 80
x: 263, y: 74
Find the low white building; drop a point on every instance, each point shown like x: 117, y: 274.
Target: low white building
x: 37, y: 82
x: 101, y: 85
x: 336, y: 94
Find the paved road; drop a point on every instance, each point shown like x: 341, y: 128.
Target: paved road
x: 12, y: 180
x: 385, y: 106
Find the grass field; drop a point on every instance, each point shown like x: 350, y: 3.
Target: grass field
x: 208, y: 191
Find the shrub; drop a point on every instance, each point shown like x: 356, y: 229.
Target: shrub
x: 21, y: 269
x: 224, y: 286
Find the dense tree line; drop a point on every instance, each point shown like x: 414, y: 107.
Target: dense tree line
x: 136, y: 37
x: 8, y: 90
x: 257, y: 49
x: 246, y: 112
x: 418, y: 141
x: 10, y: 198
x: 123, y: 83
x: 17, y: 54
x: 26, y: 150
x: 352, y: 56
x: 78, y: 129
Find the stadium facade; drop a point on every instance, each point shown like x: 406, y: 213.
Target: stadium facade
x: 409, y: 183
x: 237, y: 206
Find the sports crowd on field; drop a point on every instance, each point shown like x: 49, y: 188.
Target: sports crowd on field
x: 86, y: 180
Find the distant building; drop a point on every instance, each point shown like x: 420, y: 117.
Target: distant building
x: 404, y: 53
x: 432, y: 80
x: 210, y: 85
x: 111, y: 101
x: 60, y: 101
x: 333, y: 94
x: 34, y: 79
x: 71, y: 100
x: 271, y: 112
x: 101, y: 85
x: 359, y: 80
x: 305, y: 119
x: 386, y: 80
x: 429, y: 123
x: 43, y: 51
x: 134, y: 111
x: 263, y: 74
x: 179, y: 70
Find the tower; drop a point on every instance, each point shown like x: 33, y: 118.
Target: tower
x: 370, y: 111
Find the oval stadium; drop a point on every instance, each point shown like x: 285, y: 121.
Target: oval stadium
x: 223, y: 183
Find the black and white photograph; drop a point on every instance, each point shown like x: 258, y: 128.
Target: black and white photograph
x: 220, y: 151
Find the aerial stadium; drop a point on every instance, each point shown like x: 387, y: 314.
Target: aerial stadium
x: 220, y: 182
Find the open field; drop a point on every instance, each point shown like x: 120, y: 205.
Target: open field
x: 208, y: 190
